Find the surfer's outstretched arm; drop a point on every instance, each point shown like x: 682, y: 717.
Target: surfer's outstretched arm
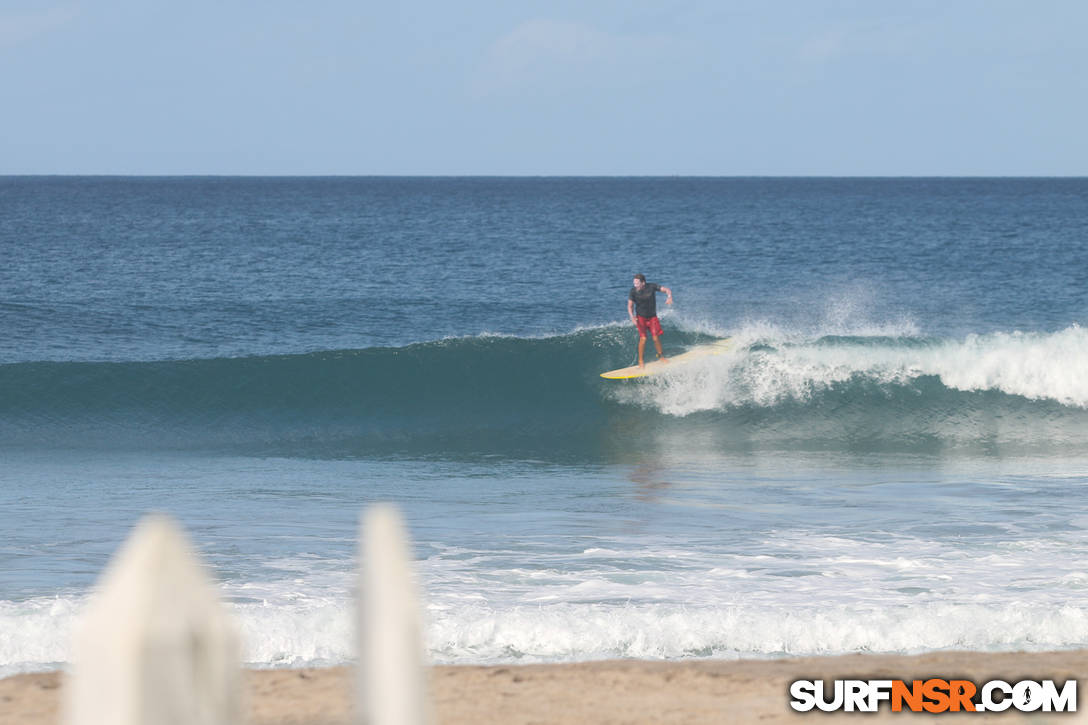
x: 668, y: 294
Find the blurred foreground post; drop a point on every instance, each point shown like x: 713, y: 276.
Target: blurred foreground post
x: 154, y: 646
x: 392, y: 680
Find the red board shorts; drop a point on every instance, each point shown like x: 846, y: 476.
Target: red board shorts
x: 649, y: 323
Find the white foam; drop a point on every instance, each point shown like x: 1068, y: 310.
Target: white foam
x: 35, y: 634
x: 766, y: 368
x: 568, y: 632
x: 778, y: 593
x: 565, y: 631
x: 1034, y: 365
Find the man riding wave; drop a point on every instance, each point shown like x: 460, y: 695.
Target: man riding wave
x: 642, y: 309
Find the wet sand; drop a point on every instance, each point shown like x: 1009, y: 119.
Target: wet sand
x: 623, y: 691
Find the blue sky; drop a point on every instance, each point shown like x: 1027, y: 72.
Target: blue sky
x: 869, y: 87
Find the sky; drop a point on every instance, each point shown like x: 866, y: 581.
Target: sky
x: 593, y: 87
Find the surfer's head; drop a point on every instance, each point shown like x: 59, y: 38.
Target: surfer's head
x: 640, y: 279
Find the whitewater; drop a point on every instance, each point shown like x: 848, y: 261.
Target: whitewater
x: 766, y: 370
x: 709, y: 581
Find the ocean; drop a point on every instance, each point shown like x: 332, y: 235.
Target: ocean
x: 893, y: 456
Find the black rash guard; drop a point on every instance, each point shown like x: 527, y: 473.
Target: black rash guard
x: 645, y: 299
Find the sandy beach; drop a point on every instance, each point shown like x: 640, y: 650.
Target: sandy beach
x: 625, y: 691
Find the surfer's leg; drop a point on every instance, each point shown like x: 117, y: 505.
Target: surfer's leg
x: 660, y: 352
x: 641, y: 350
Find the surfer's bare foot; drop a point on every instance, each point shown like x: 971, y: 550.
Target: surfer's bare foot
x: 662, y: 358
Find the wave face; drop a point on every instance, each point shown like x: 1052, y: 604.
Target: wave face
x: 542, y: 396
x: 452, y: 393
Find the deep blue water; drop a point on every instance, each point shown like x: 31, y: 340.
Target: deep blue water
x: 902, y: 414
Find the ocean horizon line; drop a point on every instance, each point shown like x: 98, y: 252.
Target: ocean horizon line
x: 654, y: 177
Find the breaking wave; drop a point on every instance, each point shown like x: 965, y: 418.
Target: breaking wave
x: 542, y: 396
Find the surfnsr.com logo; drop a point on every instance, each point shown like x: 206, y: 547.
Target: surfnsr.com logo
x: 933, y: 695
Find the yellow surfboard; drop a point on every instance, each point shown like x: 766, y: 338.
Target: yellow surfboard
x: 657, y: 366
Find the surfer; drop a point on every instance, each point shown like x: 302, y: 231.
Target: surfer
x: 642, y: 309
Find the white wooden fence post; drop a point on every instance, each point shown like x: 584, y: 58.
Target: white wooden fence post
x: 154, y: 646
x: 392, y: 680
